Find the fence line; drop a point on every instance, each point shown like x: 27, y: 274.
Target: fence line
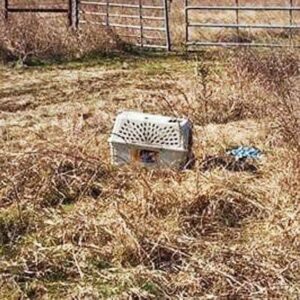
x: 147, y: 25
x: 131, y: 20
x: 237, y: 8
x: 70, y: 11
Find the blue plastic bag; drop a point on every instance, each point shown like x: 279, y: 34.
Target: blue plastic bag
x: 244, y: 152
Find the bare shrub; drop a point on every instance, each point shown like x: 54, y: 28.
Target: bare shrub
x: 273, y: 67
x: 50, y: 179
x: 205, y: 99
x: 279, y: 73
x: 34, y: 36
x: 287, y: 115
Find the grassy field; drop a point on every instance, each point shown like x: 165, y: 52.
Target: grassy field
x: 72, y: 226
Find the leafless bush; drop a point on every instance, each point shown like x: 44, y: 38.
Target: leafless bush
x: 279, y: 73
x: 273, y: 67
x: 205, y: 99
x: 67, y: 179
x: 33, y: 36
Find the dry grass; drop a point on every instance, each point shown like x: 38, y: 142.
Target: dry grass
x: 273, y: 36
x: 72, y: 226
x: 30, y: 37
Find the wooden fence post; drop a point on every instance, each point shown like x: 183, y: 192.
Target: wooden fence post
x: 6, y: 9
x: 70, y: 12
x: 73, y: 14
x: 77, y: 13
x: 167, y: 26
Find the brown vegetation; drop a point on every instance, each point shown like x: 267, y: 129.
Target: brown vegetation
x: 29, y: 37
x: 72, y: 226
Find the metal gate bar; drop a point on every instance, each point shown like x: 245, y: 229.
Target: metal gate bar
x: 138, y: 15
x: 70, y: 10
x: 121, y: 5
x: 238, y: 8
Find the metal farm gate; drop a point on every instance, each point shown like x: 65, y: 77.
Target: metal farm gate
x: 257, y: 23
x: 144, y: 23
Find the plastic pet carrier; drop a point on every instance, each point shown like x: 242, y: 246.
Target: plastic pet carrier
x: 151, y: 140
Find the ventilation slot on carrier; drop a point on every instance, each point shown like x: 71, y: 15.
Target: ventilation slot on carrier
x: 149, y: 133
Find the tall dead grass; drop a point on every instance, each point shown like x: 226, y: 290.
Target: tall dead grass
x: 25, y: 36
x: 73, y: 226
x: 279, y: 73
x: 32, y: 36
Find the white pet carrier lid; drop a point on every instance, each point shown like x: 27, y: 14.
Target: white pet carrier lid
x: 154, y: 131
